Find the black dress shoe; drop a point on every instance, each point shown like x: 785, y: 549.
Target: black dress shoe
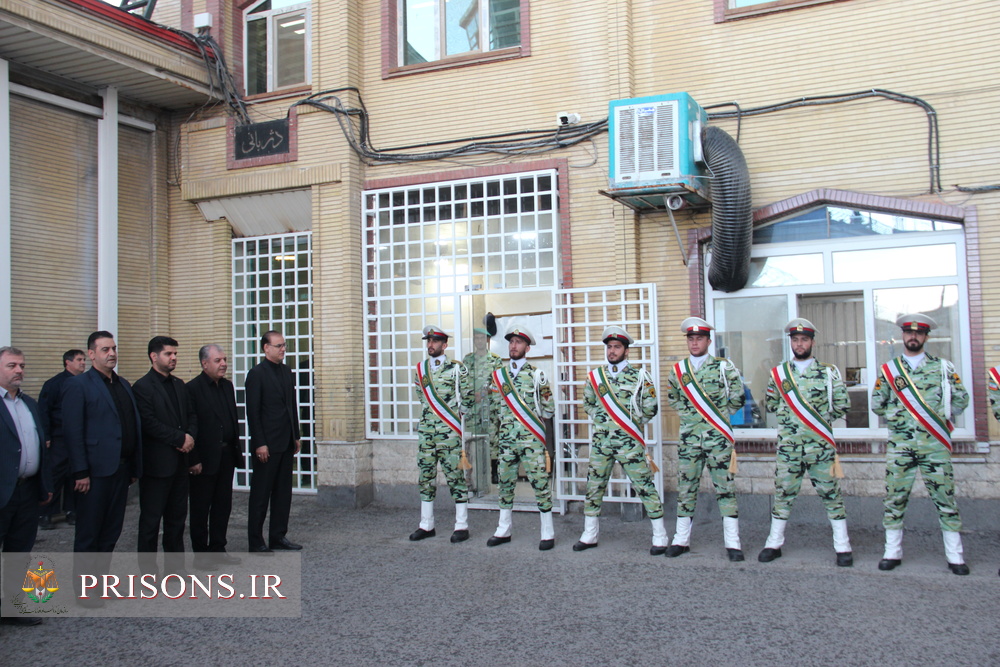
x: 767, y: 555
x: 845, y: 559
x: 657, y: 551
x: 70, y: 518
x: 20, y: 620
x: 546, y: 545
x: 958, y: 568
x: 421, y: 534
x: 45, y: 522
x: 459, y: 536
x: 226, y: 558
x: 675, y: 550
x: 735, y: 555
x: 261, y: 550
x: 583, y: 546
x: 889, y: 563
x: 284, y: 544
x: 495, y: 541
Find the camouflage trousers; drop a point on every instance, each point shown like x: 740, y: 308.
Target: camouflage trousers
x: 448, y: 453
x: 483, y: 421
x: 693, y: 453
x: 532, y: 456
x: 934, y: 461
x: 632, y: 457
x: 792, y: 463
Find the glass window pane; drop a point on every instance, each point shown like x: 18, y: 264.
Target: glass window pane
x: 461, y: 26
x: 783, y: 270
x: 419, y: 32
x: 505, y: 23
x: 256, y: 56
x: 930, y: 261
x: 290, y: 66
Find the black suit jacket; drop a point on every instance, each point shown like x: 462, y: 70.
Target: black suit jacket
x: 50, y: 406
x: 211, y: 418
x: 163, y: 430
x: 10, y: 452
x: 272, y: 415
x: 91, y: 427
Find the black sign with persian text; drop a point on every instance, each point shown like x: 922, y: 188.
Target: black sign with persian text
x: 261, y: 139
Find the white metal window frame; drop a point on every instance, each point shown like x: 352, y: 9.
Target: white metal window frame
x: 440, y: 31
x: 249, y: 326
x: 580, y: 316
x: 270, y: 16
x: 398, y: 409
x: 830, y: 246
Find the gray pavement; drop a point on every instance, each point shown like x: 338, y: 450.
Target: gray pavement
x: 372, y: 597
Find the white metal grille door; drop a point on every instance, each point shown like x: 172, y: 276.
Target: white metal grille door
x: 580, y: 316
x: 272, y: 289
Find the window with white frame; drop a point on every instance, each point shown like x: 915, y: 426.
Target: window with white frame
x: 428, y: 248
x: 277, y: 45
x: 852, y: 273
x: 437, y: 29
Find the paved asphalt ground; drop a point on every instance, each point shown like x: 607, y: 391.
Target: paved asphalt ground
x: 371, y: 597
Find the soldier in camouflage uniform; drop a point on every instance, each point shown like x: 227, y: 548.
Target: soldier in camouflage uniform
x: 481, y: 363
x: 438, y: 442
x: 526, y: 388
x: 636, y: 404
x: 993, y: 384
x: 800, y: 448
x: 913, y: 445
x: 702, y: 442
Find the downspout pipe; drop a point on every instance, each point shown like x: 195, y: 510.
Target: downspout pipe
x: 732, y: 213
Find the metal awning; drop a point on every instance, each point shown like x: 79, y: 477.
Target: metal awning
x: 262, y: 214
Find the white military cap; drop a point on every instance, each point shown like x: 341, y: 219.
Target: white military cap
x: 522, y: 331
x: 616, y: 333
x: 434, y: 331
x: 696, y: 325
x: 801, y: 325
x: 916, y: 322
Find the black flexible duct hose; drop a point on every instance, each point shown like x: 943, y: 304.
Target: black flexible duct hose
x: 732, y: 215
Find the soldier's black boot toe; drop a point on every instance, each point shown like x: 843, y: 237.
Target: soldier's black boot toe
x: 958, y: 568
x: 889, y: 563
x: 657, y: 551
x: 767, y: 555
x: 494, y: 541
x: 459, y: 536
x: 845, y: 559
x: 583, y: 546
x: 546, y: 545
x: 420, y: 534
x: 675, y: 550
x: 735, y: 555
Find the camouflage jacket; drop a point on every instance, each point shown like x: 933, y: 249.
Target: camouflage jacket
x: 816, y: 385
x: 511, y: 429
x: 481, y: 366
x: 624, y: 386
x: 927, y: 378
x: 445, y: 378
x: 994, y: 391
x: 727, y: 394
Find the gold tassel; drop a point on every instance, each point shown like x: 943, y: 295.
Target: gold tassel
x: 733, y: 466
x: 838, y: 472
x: 548, y: 461
x: 653, y: 468
x: 464, y: 463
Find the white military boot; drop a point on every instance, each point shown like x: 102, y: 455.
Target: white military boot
x: 682, y: 538
x: 772, y: 548
x: 461, y: 533
x: 731, y: 534
x: 548, y: 538
x: 842, y: 543
x: 660, y: 540
x: 953, y: 552
x: 591, y: 527
x: 893, y: 556
x: 502, y: 536
x: 426, y: 528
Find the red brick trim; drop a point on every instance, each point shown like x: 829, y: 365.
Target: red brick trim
x: 561, y: 166
x: 390, y: 46
x: 847, y: 198
x: 291, y: 156
x: 977, y: 355
x: 723, y: 13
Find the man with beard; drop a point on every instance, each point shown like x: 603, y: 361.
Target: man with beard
x: 705, y: 390
x: 620, y: 399
x: 525, y: 401
x: 481, y: 363
x: 918, y: 394
x: 808, y: 397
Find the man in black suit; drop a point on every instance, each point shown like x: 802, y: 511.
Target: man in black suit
x: 273, y: 422
x: 213, y: 459
x: 103, y: 435
x: 169, y: 425
x: 24, y: 473
x: 50, y: 410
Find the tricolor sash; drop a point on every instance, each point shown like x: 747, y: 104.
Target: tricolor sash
x: 618, y: 412
x: 700, y: 400
x: 444, y: 411
x: 904, y: 389
x: 995, y: 375
x: 505, y: 384
x: 789, y: 390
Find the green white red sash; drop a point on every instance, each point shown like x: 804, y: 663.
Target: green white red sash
x: 907, y: 393
x: 789, y: 390
x: 444, y: 411
x: 995, y: 374
x: 700, y: 400
x: 505, y: 383
x: 618, y: 413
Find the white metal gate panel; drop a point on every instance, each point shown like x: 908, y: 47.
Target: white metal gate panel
x: 580, y: 316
